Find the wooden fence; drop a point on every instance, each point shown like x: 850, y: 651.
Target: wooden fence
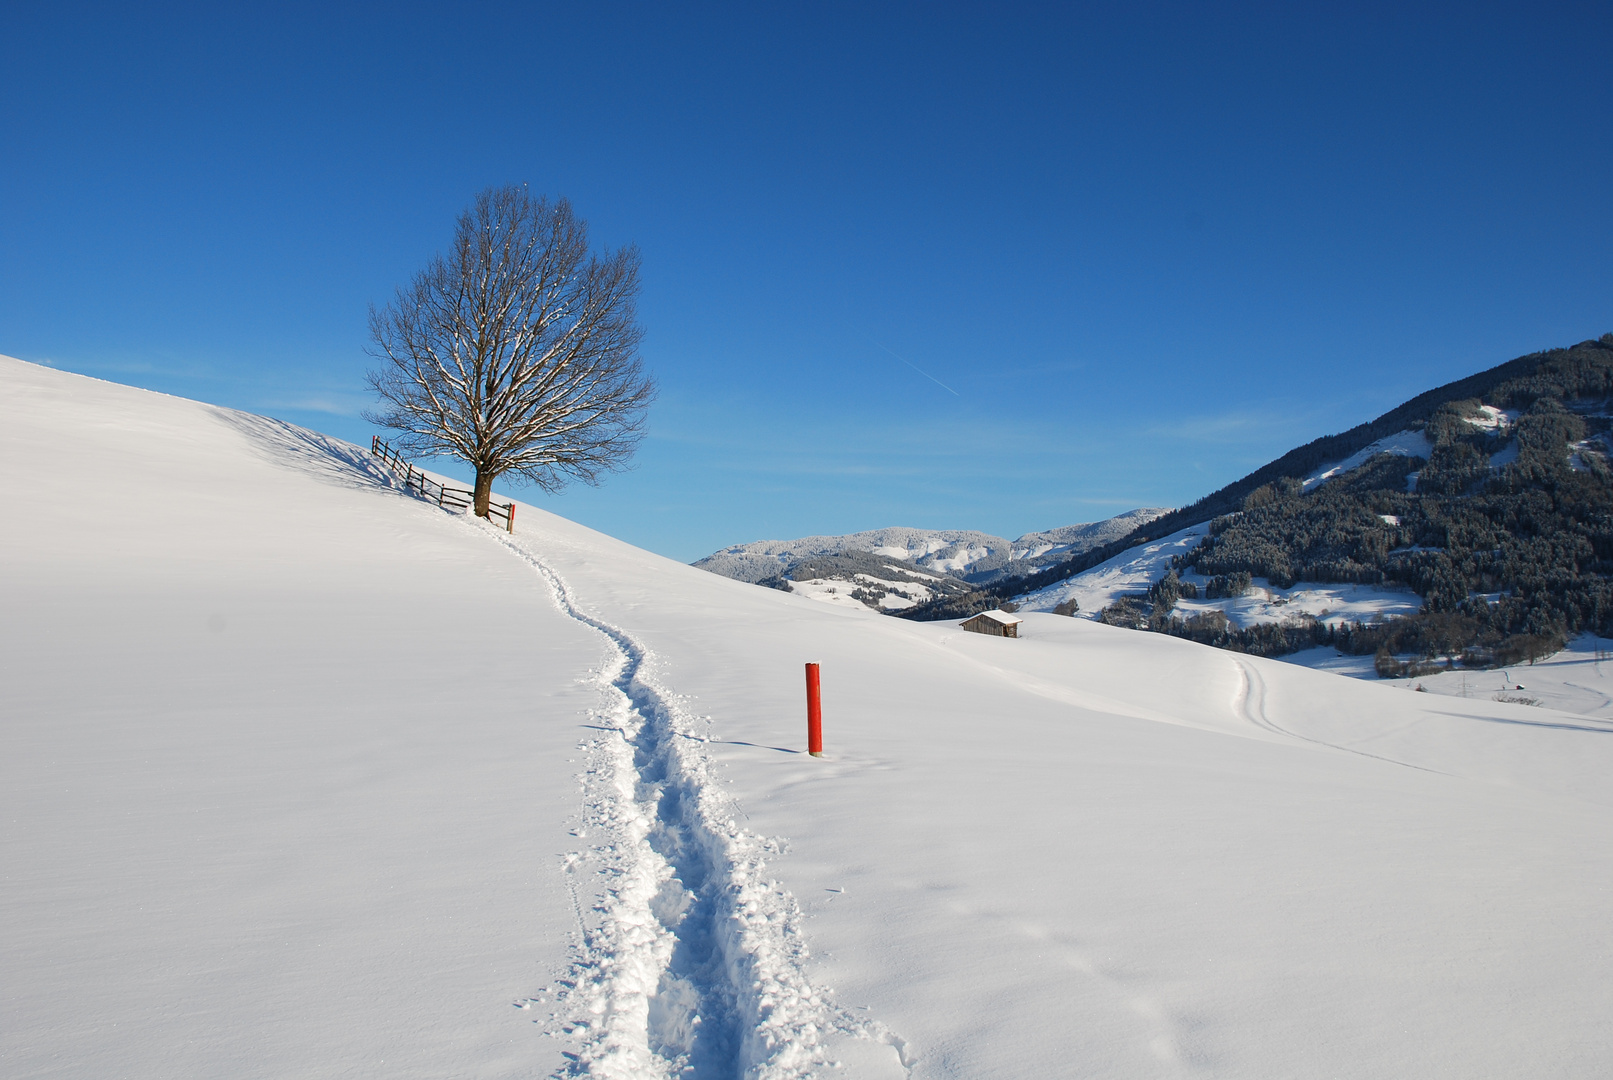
x: 452, y: 498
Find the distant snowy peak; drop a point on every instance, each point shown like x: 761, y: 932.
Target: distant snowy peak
x: 973, y: 556
x: 945, y: 550
x: 1074, y: 539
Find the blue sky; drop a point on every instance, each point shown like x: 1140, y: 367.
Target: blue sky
x: 995, y: 267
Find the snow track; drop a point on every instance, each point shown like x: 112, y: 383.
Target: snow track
x: 693, y: 968
x: 1250, y: 703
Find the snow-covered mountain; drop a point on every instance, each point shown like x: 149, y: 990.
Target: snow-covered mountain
x: 1490, y: 402
x: 304, y: 776
x: 942, y: 551
x: 1453, y: 512
x: 897, y: 567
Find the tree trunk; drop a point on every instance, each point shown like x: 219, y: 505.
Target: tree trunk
x: 484, y: 489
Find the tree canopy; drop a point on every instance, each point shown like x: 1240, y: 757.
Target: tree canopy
x: 516, y: 351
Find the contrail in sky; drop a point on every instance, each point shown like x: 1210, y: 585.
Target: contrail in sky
x: 920, y: 370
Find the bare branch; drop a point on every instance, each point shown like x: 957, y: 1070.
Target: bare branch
x: 517, y: 350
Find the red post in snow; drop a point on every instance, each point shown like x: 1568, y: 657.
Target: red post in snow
x: 814, y: 713
x: 511, y: 518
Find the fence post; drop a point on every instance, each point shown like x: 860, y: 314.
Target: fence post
x: 511, y: 519
x: 814, y: 713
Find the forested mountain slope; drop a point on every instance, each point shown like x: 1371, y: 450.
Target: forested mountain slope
x: 1583, y: 372
x: 1491, y: 498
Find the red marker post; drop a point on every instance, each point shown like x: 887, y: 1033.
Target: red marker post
x: 814, y: 713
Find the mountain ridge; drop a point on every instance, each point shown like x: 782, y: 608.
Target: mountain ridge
x: 1490, y: 498
x: 1338, y: 447
x: 945, y: 561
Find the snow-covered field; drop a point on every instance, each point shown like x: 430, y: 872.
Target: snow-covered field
x: 304, y: 777
x: 1578, y: 680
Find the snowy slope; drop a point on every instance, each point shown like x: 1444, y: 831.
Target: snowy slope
x: 1129, y: 572
x: 1578, y: 679
x: 1132, y: 572
x: 268, y: 805
x: 289, y: 794
x: 1401, y: 443
x: 875, y: 581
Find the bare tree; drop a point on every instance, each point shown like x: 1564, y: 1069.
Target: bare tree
x: 517, y: 350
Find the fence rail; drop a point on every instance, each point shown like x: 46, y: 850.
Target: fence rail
x: 452, y: 498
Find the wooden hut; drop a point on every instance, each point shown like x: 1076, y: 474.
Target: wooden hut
x: 995, y: 623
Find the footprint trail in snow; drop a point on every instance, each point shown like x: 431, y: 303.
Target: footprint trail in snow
x: 692, y: 966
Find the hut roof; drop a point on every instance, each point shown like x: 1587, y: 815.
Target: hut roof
x: 998, y: 616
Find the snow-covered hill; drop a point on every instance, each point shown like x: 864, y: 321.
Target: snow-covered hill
x: 305, y: 777
x: 1131, y: 573
x: 832, y: 567
x: 1578, y: 680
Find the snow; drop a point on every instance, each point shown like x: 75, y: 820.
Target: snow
x: 963, y: 555
x: 764, y: 558
x: 1267, y: 603
x: 1505, y: 456
x: 958, y: 550
x: 899, y: 594
x: 899, y: 552
x: 831, y: 591
x: 918, y: 547
x: 1491, y: 418
x: 1403, y: 443
x: 1131, y: 571
x: 1577, y: 680
x: 1086, y: 536
x: 1581, y: 453
x: 999, y: 617
x: 305, y: 777
x: 267, y: 805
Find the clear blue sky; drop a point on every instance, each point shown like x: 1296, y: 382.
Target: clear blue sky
x: 1145, y: 248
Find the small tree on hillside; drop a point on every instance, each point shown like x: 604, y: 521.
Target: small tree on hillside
x: 517, y: 350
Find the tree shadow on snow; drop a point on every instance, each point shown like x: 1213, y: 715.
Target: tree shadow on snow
x: 320, y: 456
